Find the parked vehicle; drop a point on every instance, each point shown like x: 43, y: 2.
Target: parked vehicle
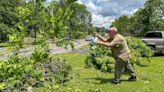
x: 155, y: 40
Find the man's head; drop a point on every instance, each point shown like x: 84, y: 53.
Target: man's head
x: 112, y: 31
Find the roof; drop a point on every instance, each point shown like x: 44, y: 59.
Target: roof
x: 154, y: 31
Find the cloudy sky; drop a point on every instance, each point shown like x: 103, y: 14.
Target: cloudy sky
x: 105, y: 11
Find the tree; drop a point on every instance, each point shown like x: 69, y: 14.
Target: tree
x: 148, y: 18
x: 33, y: 16
x: 8, y: 16
x: 4, y: 30
x: 121, y: 23
x: 80, y: 19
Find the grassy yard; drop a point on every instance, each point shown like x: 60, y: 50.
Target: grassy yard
x: 150, y: 77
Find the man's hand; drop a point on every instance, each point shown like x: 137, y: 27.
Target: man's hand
x: 98, y: 41
x: 95, y: 34
x: 99, y: 37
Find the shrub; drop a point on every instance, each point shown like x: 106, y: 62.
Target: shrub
x: 38, y: 71
x: 101, y: 57
x: 138, y: 50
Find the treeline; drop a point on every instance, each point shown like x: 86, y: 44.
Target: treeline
x: 8, y: 16
x: 58, y: 18
x: 148, y: 18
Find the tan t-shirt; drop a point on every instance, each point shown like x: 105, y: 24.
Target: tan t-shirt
x: 120, y: 48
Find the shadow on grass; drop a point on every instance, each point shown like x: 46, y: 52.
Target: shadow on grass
x: 142, y: 65
x: 105, y: 80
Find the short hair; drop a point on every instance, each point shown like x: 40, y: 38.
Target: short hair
x: 112, y: 30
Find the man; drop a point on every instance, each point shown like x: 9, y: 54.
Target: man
x: 120, y: 52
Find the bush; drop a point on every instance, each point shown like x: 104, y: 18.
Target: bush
x: 13, y: 71
x: 38, y: 71
x: 41, y: 53
x: 101, y: 57
x: 138, y: 50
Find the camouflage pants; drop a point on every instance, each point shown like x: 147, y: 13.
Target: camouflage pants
x: 120, y: 65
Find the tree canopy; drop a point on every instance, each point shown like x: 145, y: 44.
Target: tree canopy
x: 57, y: 19
x: 148, y: 18
x: 8, y: 16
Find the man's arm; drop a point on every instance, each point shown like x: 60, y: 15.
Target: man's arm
x: 106, y: 44
x: 114, y: 42
x: 100, y: 37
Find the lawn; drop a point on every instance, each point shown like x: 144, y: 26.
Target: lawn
x: 150, y: 77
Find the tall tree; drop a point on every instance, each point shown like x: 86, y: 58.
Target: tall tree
x: 8, y: 16
x: 148, y: 18
x: 121, y: 23
x: 80, y: 19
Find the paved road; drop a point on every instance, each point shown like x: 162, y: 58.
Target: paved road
x: 1, y: 48
x: 26, y: 52
x: 58, y: 50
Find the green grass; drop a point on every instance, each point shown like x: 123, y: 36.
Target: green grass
x: 86, y: 46
x: 4, y: 44
x: 150, y: 77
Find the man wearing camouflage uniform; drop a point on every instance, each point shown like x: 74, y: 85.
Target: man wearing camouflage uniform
x: 120, y: 52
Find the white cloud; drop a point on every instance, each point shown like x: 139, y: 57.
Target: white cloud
x: 102, y: 0
x: 129, y: 13
x: 105, y: 11
x: 91, y: 6
x: 100, y: 21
